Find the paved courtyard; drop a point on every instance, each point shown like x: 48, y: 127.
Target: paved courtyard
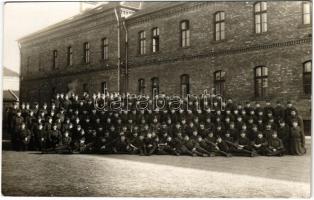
x: 33, y: 174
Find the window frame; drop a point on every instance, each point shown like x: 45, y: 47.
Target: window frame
x: 141, y: 86
x: 86, y: 53
x: 155, y: 40
x: 69, y: 56
x: 260, y: 13
x: 153, y: 80
x: 259, y: 86
x: 304, y: 14
x: 219, y: 82
x: 185, y: 34
x: 307, y: 91
x: 219, y: 22
x: 105, y: 48
x: 185, y: 81
x: 142, y: 42
x: 54, y: 59
x: 104, y: 83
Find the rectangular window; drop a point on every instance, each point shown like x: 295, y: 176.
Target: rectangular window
x: 54, y: 59
x: 155, y: 86
x: 86, y: 52
x: 260, y: 17
x: 219, y: 26
x: 141, y: 86
x: 70, y: 56
x: 104, y: 87
x: 155, y: 40
x: 185, y: 33
x: 219, y: 82
x: 185, y: 85
x: 142, y: 42
x: 306, y: 11
x: 105, y: 49
x: 307, y: 77
x: 261, y: 81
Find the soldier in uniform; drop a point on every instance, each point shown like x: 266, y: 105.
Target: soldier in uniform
x: 275, y: 146
x: 41, y: 137
x: 296, y: 140
x: 260, y: 144
x: 283, y: 131
x: 279, y: 112
x: 17, y: 124
x: 121, y: 145
x: 54, y: 137
x: 24, y: 137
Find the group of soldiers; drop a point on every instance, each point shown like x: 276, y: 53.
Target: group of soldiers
x: 197, y: 126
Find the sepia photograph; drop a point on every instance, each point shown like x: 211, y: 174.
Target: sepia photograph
x: 170, y: 99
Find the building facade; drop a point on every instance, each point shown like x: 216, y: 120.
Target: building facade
x: 245, y: 50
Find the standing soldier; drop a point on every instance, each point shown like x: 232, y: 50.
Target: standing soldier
x: 54, y: 137
x: 279, y: 112
x: 17, y: 124
x: 283, y: 131
x: 40, y: 137
x: 24, y: 137
x: 297, y: 140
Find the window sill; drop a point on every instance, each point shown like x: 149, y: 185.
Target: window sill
x: 301, y: 26
x: 219, y: 41
x: 188, y: 47
x: 260, y: 34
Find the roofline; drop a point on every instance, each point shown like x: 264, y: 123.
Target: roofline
x: 178, y: 3
x: 67, y: 21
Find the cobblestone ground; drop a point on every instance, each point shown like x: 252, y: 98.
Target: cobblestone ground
x: 33, y: 174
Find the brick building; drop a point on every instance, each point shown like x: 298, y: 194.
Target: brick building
x: 245, y: 50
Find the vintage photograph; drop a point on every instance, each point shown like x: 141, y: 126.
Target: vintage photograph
x: 157, y: 99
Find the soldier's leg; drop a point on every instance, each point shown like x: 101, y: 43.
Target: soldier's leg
x: 222, y: 153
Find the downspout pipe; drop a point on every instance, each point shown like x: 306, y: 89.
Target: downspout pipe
x: 118, y: 51
x: 126, y: 59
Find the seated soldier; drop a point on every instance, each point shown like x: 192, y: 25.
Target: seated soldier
x: 168, y: 146
x: 243, y: 146
x: 202, y: 131
x: 232, y: 131
x: 253, y: 132
x: 134, y: 142
x: 91, y: 139
x: 149, y: 144
x: 275, y: 146
x: 66, y: 144
x: 222, y: 148
x: 189, y: 147
x: 219, y: 132
x: 205, y: 147
x: 260, y: 144
x: 121, y: 145
x: 268, y: 132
